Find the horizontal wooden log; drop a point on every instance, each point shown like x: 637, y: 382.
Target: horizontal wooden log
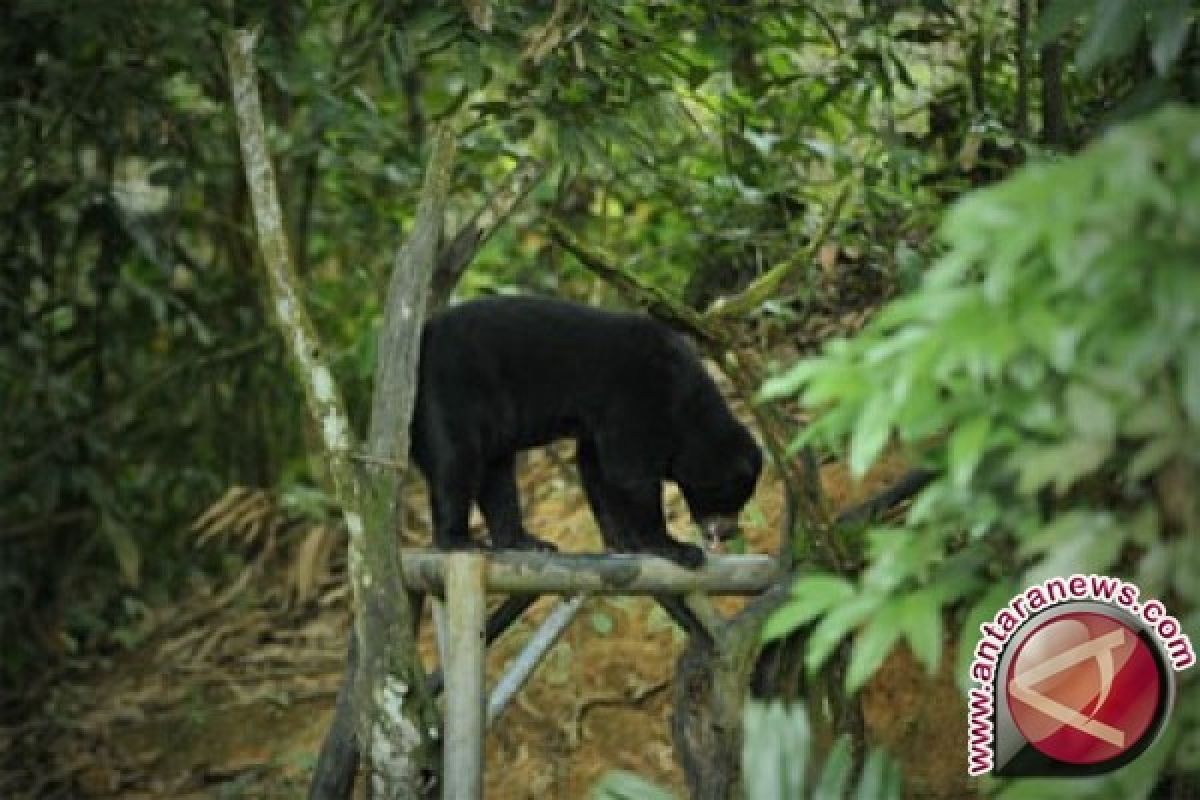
x: 520, y: 572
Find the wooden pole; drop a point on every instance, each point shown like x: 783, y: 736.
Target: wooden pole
x: 524, y: 572
x: 466, y: 607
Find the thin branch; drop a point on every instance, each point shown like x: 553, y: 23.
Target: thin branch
x: 455, y: 257
x: 636, y: 291
x: 768, y: 284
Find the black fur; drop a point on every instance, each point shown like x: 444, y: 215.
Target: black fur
x: 501, y: 375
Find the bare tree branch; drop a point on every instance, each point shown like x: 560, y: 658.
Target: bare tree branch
x: 455, y: 257
x: 636, y: 291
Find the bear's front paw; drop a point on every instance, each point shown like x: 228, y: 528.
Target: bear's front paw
x: 459, y: 546
x: 527, y: 542
x: 688, y: 556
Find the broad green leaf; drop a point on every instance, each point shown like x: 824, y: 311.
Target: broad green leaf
x: 1062, y: 528
x: 1153, y: 570
x: 1091, y: 414
x: 775, y: 750
x: 1190, y: 383
x: 1187, y: 751
x: 1170, y: 24
x: 1060, y: 464
x: 1151, y: 456
x: 602, y: 623
x: 125, y: 548
x: 871, y: 433
x: 873, y: 644
x: 1057, y: 17
x: 812, y: 595
x: 836, y: 774
x: 880, y: 778
x: 898, y: 555
x: 985, y: 609
x: 1144, y: 526
x: 834, y: 627
x: 1088, y: 550
x: 623, y: 785
x: 1152, y: 415
x: 789, y: 382
x: 966, y: 447
x: 1113, y: 31
x: 1053, y: 789
x: 1185, y: 557
x: 921, y: 622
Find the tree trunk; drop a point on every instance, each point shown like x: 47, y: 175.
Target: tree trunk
x: 1054, y: 102
x: 1021, y: 112
x: 392, y: 712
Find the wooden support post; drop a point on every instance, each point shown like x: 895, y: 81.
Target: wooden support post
x: 466, y: 606
x: 441, y: 632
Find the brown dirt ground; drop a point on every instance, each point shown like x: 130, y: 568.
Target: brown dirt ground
x: 143, y: 726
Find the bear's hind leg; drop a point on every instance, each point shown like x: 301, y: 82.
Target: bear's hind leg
x: 453, y: 483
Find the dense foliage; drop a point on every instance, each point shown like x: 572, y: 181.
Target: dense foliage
x: 1048, y: 367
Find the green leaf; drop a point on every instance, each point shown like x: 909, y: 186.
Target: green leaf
x: 1060, y: 464
x: 832, y: 783
x: 834, y: 626
x: 1170, y: 23
x: 1190, y: 383
x: 1089, y: 548
x: 1112, y: 33
x: 1152, y: 416
x: 790, y: 381
x: 812, y: 595
x: 1153, y: 570
x: 1090, y: 413
x: 871, y: 433
x: 1187, y: 751
x: 896, y: 556
x: 985, y: 609
x: 602, y: 623
x: 622, y: 785
x: 125, y: 548
x: 1057, y: 17
x: 966, y: 447
x: 921, y: 622
x: 873, y: 644
x: 775, y: 750
x: 1151, y: 456
x: 880, y: 778
x: 1056, y: 788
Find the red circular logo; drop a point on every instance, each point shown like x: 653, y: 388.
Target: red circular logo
x: 1084, y: 688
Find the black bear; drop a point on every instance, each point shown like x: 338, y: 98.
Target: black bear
x: 504, y: 374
